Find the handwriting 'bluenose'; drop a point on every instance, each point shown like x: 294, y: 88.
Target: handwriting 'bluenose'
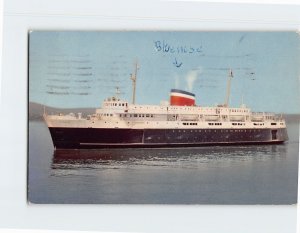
x: 165, y: 47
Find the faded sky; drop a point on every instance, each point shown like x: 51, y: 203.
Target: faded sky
x: 80, y: 69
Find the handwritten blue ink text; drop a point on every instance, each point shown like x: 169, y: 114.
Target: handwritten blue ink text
x: 165, y: 47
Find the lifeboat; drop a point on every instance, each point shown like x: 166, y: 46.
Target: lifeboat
x: 257, y: 118
x: 211, y: 117
x: 189, y: 117
x: 236, y: 118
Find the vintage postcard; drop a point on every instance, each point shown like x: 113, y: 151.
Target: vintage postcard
x: 163, y: 117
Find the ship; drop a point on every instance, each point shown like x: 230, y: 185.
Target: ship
x: 178, y: 123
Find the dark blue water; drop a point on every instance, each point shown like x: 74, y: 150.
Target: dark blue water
x: 264, y: 174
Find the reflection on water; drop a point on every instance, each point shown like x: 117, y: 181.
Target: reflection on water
x: 179, y: 157
x: 252, y: 174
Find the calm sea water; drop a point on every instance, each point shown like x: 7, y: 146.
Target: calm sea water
x: 264, y: 174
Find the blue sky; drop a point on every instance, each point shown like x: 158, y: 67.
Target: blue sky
x: 80, y: 69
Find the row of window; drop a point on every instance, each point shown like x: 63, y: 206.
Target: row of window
x: 237, y: 110
x: 116, y: 104
x: 258, y: 124
x: 173, y: 108
x: 185, y: 123
x: 106, y: 114
x: 215, y: 123
x: 238, y: 123
x: 222, y: 130
x: 137, y: 115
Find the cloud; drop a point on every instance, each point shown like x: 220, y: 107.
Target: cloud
x: 191, y: 77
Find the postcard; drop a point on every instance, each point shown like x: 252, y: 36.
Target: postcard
x: 163, y: 117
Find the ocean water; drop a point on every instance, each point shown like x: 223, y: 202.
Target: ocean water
x: 254, y: 174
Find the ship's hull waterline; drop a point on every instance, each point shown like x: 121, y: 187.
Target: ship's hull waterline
x: 93, y: 138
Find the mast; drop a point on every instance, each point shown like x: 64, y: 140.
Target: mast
x: 118, y: 92
x: 230, y: 76
x: 133, y: 78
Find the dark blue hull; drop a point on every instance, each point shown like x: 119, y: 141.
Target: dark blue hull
x: 76, y: 138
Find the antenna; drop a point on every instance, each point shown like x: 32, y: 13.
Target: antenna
x: 133, y: 78
x: 230, y: 76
